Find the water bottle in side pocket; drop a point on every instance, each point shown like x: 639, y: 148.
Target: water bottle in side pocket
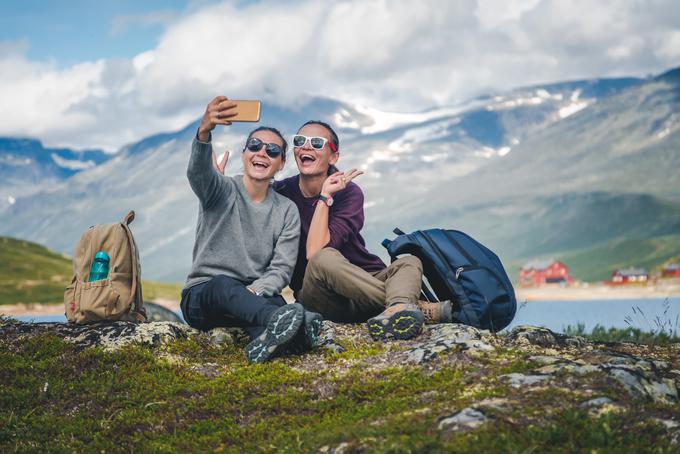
x: 100, y: 266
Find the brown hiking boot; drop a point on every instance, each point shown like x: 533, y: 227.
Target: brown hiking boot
x: 399, y: 320
x: 436, y: 312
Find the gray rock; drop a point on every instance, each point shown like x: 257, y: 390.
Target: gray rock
x: 448, y: 336
x: 667, y: 423
x: 597, y: 402
x: 543, y: 337
x: 466, y: 419
x: 542, y: 359
x: 227, y: 335
x: 642, y: 383
x: 111, y: 335
x: 518, y: 380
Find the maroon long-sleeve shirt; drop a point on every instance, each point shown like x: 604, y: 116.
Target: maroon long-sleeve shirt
x: 345, y: 221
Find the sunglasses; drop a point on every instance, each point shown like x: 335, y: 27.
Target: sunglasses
x: 316, y: 142
x: 273, y: 150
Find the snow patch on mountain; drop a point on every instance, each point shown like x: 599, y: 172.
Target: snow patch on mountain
x: 421, y: 134
x: 383, y: 121
x: 572, y: 108
x: 72, y: 164
x: 14, y: 160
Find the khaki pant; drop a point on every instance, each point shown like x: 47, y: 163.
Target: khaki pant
x: 343, y: 292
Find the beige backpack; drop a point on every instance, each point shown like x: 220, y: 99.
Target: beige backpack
x: 119, y: 296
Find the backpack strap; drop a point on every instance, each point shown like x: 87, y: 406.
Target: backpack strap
x: 129, y: 217
x: 136, y: 297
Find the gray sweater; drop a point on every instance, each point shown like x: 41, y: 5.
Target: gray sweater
x: 255, y: 243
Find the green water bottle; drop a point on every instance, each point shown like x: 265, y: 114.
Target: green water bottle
x: 100, y: 266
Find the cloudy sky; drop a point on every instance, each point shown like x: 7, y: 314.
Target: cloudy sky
x: 102, y: 74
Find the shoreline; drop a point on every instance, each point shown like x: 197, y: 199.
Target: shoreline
x: 581, y: 292
x: 595, y: 292
x: 39, y: 309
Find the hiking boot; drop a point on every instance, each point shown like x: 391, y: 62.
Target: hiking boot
x: 436, y: 312
x: 312, y: 328
x: 307, y: 336
x: 399, y: 320
x: 283, y: 325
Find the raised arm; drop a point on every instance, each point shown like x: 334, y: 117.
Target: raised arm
x: 204, y: 180
x: 280, y: 269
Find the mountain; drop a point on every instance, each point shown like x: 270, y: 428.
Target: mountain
x: 607, y: 172
x: 27, y: 167
x: 534, y: 171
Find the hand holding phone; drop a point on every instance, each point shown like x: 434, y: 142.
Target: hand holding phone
x: 222, y: 111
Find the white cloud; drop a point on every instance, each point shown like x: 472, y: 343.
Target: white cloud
x: 394, y: 55
x: 669, y: 45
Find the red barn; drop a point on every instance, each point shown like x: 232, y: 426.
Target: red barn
x: 629, y: 276
x: 540, y: 272
x: 672, y: 270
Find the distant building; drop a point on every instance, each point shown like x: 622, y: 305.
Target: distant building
x: 540, y: 272
x: 629, y: 276
x: 672, y: 270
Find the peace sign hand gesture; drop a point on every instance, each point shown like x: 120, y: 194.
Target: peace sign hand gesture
x: 338, y: 181
x: 219, y: 167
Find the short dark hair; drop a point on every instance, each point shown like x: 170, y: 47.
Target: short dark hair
x: 275, y: 131
x: 334, y: 140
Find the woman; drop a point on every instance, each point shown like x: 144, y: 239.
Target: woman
x: 335, y: 274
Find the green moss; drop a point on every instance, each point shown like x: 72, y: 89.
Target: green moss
x: 55, y: 398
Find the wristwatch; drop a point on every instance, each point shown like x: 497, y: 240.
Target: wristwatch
x: 327, y: 200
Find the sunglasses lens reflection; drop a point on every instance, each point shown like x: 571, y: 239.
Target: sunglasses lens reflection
x: 299, y: 141
x: 273, y: 150
x: 317, y: 142
x: 254, y: 144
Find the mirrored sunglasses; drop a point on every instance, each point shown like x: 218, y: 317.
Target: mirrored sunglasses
x: 254, y: 144
x: 316, y: 142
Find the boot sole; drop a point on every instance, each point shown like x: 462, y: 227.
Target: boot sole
x: 283, y: 324
x: 401, y: 325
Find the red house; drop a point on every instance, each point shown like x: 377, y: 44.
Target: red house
x: 540, y: 272
x: 672, y: 270
x: 629, y: 276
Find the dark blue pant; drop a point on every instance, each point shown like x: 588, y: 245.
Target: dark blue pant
x: 226, y: 302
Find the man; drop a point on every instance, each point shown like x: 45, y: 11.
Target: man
x: 246, y: 243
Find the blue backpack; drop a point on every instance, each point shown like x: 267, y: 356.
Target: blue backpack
x: 460, y: 269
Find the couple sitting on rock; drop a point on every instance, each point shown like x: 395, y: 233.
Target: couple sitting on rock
x: 254, y: 238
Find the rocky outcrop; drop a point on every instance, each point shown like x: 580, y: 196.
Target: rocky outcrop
x: 556, y: 358
x: 110, y: 336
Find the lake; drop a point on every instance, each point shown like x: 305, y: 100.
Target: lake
x: 556, y: 315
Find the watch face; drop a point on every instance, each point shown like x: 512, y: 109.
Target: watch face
x: 329, y: 201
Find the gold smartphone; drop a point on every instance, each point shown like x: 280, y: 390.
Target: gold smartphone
x: 246, y: 111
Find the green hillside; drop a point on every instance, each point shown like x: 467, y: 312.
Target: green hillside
x: 31, y: 273
x: 597, y: 263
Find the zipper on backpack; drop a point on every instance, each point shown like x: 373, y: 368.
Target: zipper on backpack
x: 480, y: 267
